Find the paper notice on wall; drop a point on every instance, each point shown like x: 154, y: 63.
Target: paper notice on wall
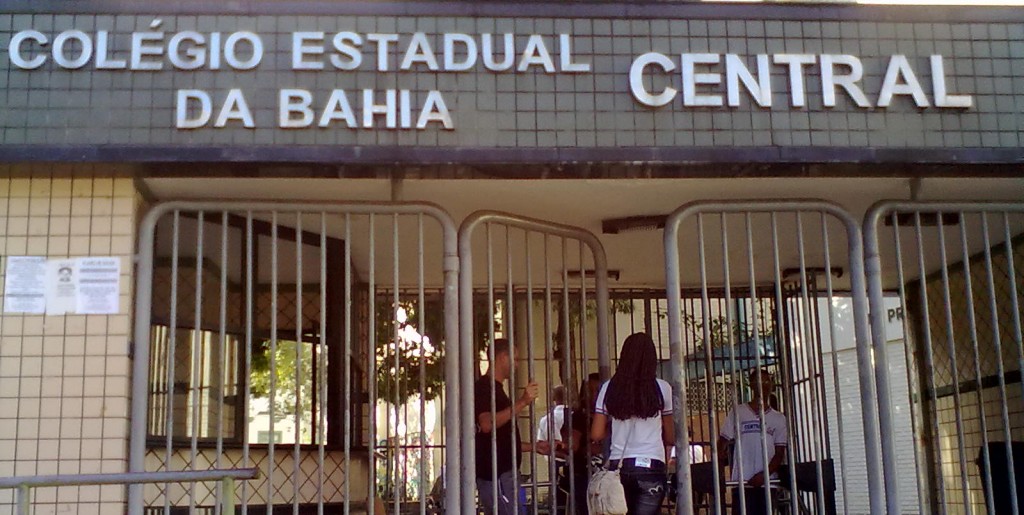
x: 25, y: 285
x: 61, y: 286
x: 99, y: 286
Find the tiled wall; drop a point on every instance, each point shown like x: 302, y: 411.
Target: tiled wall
x: 532, y: 109
x: 973, y: 408
x: 64, y: 380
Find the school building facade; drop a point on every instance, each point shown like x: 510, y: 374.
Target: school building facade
x: 320, y: 212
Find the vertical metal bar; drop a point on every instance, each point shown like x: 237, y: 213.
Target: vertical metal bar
x: 872, y: 444
x: 929, y: 355
x: 912, y: 382
x: 421, y: 311
x: 321, y: 373
x: 951, y: 348
x: 222, y: 336
x: 567, y: 377
x: 529, y: 360
x: 548, y: 360
x: 742, y: 484
x: 197, y: 343
x: 819, y: 364
x: 371, y: 369
x: 585, y: 375
x: 459, y: 454
x: 603, y: 307
x: 780, y: 310
x: 833, y: 338
x: 615, y: 333
x: 1015, y: 309
x: 227, y: 499
x: 348, y: 369
x: 659, y: 330
x: 296, y: 449
x: 872, y: 263
x: 399, y: 445
x: 684, y: 494
x: 757, y: 362
x: 141, y: 349
x: 685, y: 480
x: 648, y: 324
x: 493, y: 387
x: 271, y: 460
x: 173, y: 344
x: 512, y: 374
x: 972, y: 325
x: 807, y: 317
x: 468, y: 375
x: 1001, y: 372
x: 24, y: 500
x: 222, y: 361
x: 250, y: 252
x: 632, y: 317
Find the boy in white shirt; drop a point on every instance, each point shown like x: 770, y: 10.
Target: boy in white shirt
x: 553, y: 419
x: 748, y: 460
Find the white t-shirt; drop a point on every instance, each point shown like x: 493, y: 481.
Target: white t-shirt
x: 645, y: 440
x: 750, y: 439
x: 696, y: 453
x: 559, y: 419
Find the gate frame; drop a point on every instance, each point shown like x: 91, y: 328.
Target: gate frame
x: 878, y: 486
x: 876, y: 297
x: 144, y: 260
x: 468, y: 377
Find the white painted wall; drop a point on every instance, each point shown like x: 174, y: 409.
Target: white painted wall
x: 844, y: 356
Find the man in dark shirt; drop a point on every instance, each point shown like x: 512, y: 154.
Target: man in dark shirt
x: 499, y: 420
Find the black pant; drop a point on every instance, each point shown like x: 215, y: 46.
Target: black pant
x: 753, y: 499
x: 644, y: 486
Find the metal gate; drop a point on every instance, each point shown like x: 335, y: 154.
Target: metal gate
x: 315, y: 342
x: 954, y: 269
x: 806, y: 256
x: 537, y: 286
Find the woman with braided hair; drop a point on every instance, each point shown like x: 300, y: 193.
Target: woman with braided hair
x: 638, y: 407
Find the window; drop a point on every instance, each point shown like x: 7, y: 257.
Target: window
x: 194, y: 384
x: 195, y: 388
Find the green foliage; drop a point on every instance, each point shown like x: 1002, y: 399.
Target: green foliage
x: 286, y: 362
x: 401, y: 363
x: 719, y: 331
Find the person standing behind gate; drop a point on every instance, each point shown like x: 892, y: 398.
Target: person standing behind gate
x: 750, y: 452
x: 578, y: 425
x: 552, y: 420
x: 640, y: 407
x: 501, y: 422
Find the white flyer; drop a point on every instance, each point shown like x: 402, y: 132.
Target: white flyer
x: 25, y: 285
x: 99, y: 286
x: 61, y: 286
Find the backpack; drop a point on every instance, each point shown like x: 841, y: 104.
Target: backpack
x: 605, y: 494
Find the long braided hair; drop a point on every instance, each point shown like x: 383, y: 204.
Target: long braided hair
x: 633, y: 390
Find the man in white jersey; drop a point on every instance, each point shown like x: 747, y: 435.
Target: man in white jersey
x: 762, y: 430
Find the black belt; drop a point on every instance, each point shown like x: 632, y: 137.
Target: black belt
x: 614, y: 464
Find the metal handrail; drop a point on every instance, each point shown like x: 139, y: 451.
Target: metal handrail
x: 227, y: 477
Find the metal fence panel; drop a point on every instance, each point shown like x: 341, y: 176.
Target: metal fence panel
x: 534, y: 281
x: 954, y: 266
x: 297, y: 339
x: 783, y: 250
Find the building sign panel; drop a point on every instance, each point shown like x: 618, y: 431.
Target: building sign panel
x: 502, y: 82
